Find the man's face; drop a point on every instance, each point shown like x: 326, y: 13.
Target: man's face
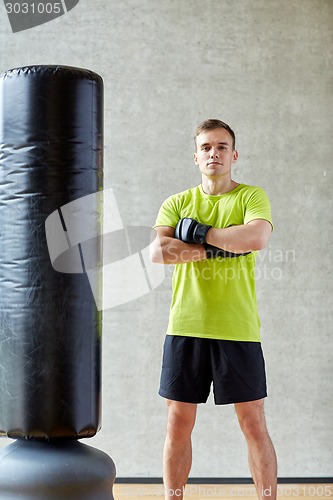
x: 215, y: 154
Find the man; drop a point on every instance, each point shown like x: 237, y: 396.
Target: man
x: 212, y: 233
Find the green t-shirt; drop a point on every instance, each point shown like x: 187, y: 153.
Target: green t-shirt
x: 216, y: 298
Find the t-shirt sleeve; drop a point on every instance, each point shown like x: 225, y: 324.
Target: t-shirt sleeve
x: 168, y: 214
x: 258, y: 207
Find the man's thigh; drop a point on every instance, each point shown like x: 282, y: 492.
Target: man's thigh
x: 186, y: 371
x: 238, y: 370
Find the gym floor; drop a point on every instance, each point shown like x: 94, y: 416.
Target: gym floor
x: 226, y: 491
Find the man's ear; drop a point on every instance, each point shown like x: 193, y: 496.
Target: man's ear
x: 235, y: 156
x: 195, y: 158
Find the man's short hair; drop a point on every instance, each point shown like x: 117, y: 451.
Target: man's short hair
x: 212, y: 124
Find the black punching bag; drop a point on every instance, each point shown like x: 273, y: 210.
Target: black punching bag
x: 51, y: 153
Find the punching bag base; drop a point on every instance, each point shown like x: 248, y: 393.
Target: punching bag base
x: 39, y: 470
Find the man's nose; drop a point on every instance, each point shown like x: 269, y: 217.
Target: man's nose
x: 214, y: 153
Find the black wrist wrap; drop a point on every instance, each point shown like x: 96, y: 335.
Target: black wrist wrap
x: 212, y: 252
x: 200, y: 233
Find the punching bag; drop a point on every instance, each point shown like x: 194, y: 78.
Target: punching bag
x: 51, y: 154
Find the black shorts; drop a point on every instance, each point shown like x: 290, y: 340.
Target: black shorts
x: 190, y: 365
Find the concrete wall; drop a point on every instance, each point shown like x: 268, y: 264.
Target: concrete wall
x: 264, y: 66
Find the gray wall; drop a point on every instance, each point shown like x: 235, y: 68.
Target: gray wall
x: 264, y: 66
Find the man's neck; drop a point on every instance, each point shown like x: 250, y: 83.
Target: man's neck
x: 217, y: 187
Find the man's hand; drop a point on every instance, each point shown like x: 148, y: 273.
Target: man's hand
x: 191, y: 231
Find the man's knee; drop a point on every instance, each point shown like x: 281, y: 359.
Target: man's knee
x: 252, y: 420
x: 181, y: 419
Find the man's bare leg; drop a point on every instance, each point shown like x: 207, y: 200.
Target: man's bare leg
x: 262, y: 458
x: 177, y: 454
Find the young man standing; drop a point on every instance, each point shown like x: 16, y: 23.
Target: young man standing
x: 212, y: 232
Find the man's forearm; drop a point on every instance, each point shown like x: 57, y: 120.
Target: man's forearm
x: 173, y: 251
x: 237, y: 239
